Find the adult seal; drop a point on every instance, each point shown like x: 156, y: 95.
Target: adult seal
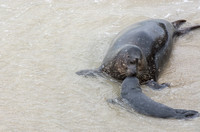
x: 137, y: 56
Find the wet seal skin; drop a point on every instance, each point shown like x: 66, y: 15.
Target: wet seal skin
x: 131, y: 95
x: 137, y: 56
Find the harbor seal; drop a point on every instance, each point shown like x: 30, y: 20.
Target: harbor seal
x: 141, y: 51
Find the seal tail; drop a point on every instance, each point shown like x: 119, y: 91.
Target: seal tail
x: 178, y: 23
x: 186, y: 30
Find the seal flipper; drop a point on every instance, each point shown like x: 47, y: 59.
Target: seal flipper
x: 178, y: 23
x: 91, y: 73
x: 155, y: 86
x: 132, y: 92
x: 186, y: 30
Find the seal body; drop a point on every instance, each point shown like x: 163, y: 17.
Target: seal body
x: 149, y: 43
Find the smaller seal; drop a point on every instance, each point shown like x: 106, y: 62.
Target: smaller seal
x: 132, y: 94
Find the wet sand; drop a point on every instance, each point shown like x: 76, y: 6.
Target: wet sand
x: 43, y: 44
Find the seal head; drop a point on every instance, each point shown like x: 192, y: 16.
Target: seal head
x: 129, y: 61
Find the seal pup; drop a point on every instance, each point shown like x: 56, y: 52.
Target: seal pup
x: 140, y: 51
x: 133, y: 97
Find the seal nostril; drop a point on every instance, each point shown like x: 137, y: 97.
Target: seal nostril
x: 133, y: 61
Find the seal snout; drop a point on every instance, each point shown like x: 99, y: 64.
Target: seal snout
x: 132, y: 70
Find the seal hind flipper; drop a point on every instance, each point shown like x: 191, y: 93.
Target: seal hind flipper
x: 145, y: 105
x: 91, y: 73
x: 186, y: 30
x: 178, y: 23
x: 187, y: 114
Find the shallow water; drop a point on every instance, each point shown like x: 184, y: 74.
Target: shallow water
x: 43, y: 44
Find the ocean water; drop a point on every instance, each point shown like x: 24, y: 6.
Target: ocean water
x: 44, y: 42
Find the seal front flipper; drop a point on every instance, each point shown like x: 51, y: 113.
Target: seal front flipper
x: 132, y: 92
x: 119, y: 101
x: 91, y: 73
x: 155, y: 86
